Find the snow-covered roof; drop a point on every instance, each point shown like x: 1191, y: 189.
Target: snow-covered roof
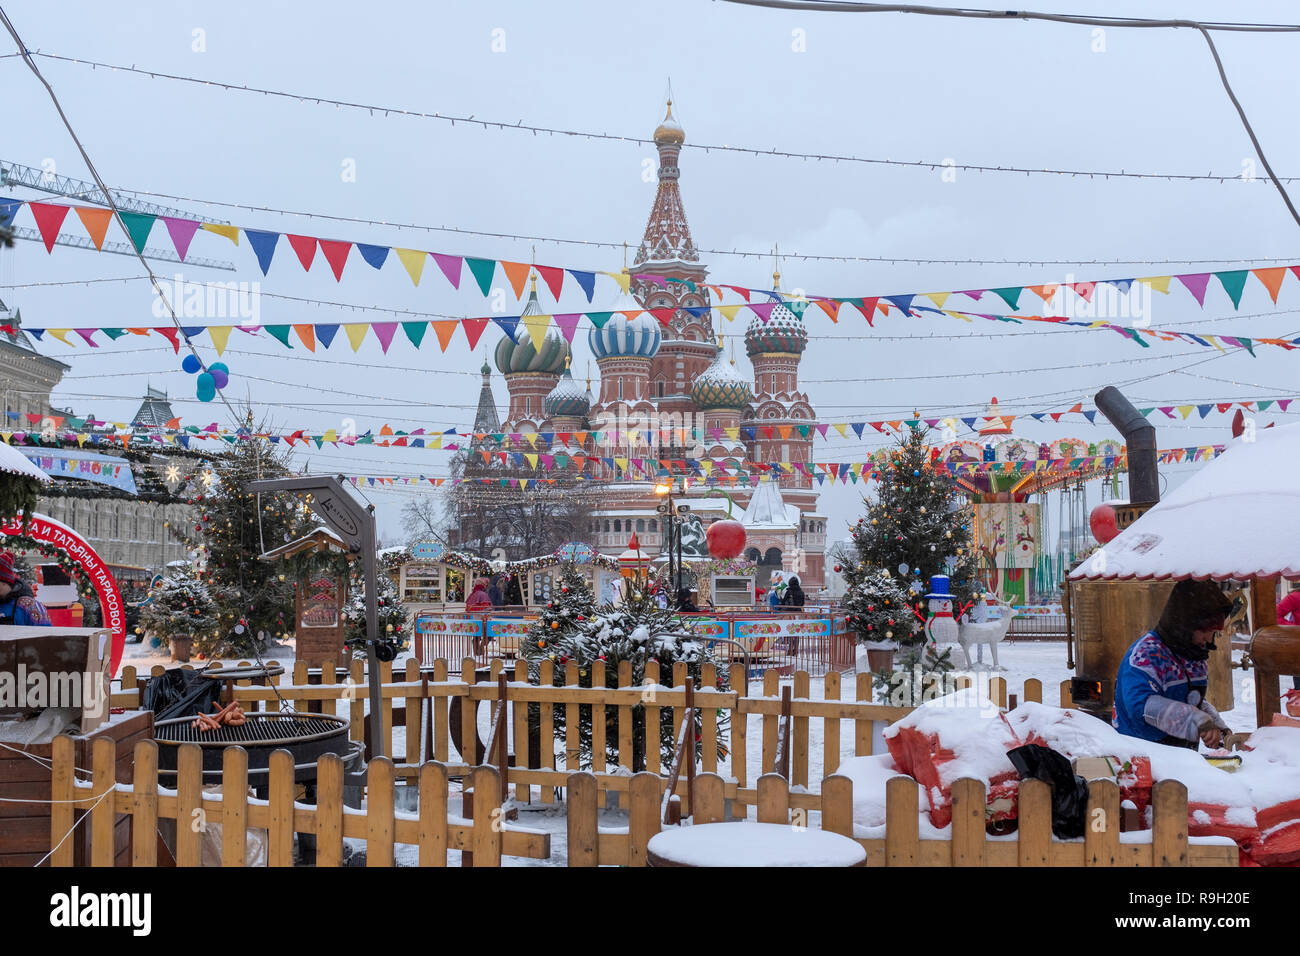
x: 767, y: 509
x: 1238, y: 517
x: 15, y: 462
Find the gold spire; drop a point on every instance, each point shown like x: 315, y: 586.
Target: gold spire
x: 669, y: 131
x: 776, y: 267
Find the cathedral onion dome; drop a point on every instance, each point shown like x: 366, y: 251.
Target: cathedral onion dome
x: 567, y: 400
x: 621, y: 336
x: 520, y: 355
x: 721, y: 386
x: 782, y: 332
x: 670, y: 131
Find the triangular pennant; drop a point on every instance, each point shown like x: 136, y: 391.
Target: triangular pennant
x: 325, y: 333
x: 412, y: 260
x: 1196, y: 283
x: 1159, y: 283
x: 553, y: 277
x: 1272, y: 280
x: 904, y: 302
x: 220, y: 335
x: 482, y: 270
x: 222, y: 229
x: 305, y: 248
x: 170, y: 333
x: 306, y: 335
x: 598, y: 319
x: 474, y: 330
x: 415, y: 332
x: 8, y: 209
x: 336, y: 254
x: 536, y: 326
x: 1044, y: 292
x: 729, y: 311
x: 356, y: 333
x: 1233, y: 282
x: 182, y: 232
x: 138, y: 226
x: 516, y: 275
x: 586, y: 281
x: 1010, y: 295
x: 830, y: 307
x: 938, y: 298
x: 49, y: 218
x: 450, y: 266
x: 263, y: 244
x: 376, y: 256
x: 568, y: 324
x: 96, y: 222
x: 508, y: 324
x: 280, y: 332
x: 384, y: 331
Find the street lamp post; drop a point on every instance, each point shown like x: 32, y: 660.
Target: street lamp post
x: 669, y: 510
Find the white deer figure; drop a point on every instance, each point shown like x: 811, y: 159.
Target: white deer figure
x: 981, y: 632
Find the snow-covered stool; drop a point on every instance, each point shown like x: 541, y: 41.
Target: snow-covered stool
x: 752, y: 844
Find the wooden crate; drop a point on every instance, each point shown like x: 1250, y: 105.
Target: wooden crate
x: 25, y: 827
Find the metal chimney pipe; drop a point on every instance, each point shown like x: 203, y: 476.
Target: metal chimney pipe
x: 1139, y: 439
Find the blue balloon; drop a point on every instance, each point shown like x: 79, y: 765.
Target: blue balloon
x: 191, y: 364
x: 207, y: 387
x: 220, y: 378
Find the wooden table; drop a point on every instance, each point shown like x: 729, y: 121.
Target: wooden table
x: 752, y: 844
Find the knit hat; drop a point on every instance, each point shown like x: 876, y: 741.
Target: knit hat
x: 1192, y: 606
x: 7, y: 573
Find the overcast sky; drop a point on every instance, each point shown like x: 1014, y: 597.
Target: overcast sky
x: 888, y: 85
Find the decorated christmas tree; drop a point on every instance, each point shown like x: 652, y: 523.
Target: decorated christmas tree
x: 392, y: 612
x: 918, y: 526
x: 181, y: 606
x: 637, y: 631
x: 572, y: 606
x: 254, y: 598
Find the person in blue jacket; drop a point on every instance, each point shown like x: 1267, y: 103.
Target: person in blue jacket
x: 18, y: 605
x: 1162, y: 680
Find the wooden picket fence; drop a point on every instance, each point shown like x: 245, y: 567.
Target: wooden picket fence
x: 1166, y: 844
x: 434, y: 830
x: 786, y: 725
x: 489, y: 836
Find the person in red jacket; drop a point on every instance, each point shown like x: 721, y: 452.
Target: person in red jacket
x: 1288, y: 609
x: 478, y: 599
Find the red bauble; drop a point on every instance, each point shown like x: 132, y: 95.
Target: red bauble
x: 837, y: 569
x: 726, y: 538
x: 1103, y: 522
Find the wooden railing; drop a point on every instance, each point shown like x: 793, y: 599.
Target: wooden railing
x: 433, y: 830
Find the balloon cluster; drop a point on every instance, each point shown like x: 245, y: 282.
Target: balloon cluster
x: 213, y: 377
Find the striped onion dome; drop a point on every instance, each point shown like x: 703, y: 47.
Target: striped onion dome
x: 721, y: 386
x: 623, y: 337
x: 567, y: 399
x: 520, y: 355
x: 782, y: 332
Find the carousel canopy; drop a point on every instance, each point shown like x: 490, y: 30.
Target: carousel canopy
x: 1238, y: 517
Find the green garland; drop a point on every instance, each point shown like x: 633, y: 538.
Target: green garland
x: 18, y: 496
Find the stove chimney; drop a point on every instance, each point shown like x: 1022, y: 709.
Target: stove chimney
x: 1140, y: 441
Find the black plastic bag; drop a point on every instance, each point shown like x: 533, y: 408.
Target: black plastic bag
x: 180, y: 693
x: 1069, y: 791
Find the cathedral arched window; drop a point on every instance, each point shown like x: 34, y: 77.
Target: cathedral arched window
x: 607, y: 526
x: 618, y: 526
x: 654, y: 524
x: 640, y: 525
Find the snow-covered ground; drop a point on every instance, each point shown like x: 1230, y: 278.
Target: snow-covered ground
x: 1044, y: 660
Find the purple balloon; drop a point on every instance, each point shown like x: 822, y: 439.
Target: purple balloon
x: 219, y: 378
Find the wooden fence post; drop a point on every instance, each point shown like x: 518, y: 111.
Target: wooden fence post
x: 831, y: 726
x: 144, y: 805
x: 279, y: 832
x: 708, y: 803
x: 523, y: 736
x: 771, y: 688
x: 433, y: 815
x: 191, y: 817
x: 902, y: 823
x: 1169, y: 823
x: 739, y: 683
x: 967, y: 822
x: 837, y: 805
x: 583, y: 831
x: 103, y: 817
x: 329, y: 811
x: 773, y: 799
x: 799, y: 757
x: 379, y: 813
x: 62, y: 791
x: 862, y: 728
x: 643, y: 815
x: 1101, y: 835
x: 234, y: 806
x: 438, y: 704
x: 468, y: 725
x: 709, y: 721
x: 487, y: 817
x: 414, y: 711
x: 547, y: 679
x: 1034, y: 690
x: 1035, y: 825
x: 653, y: 721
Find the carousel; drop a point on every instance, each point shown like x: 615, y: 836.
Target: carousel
x: 1008, y: 481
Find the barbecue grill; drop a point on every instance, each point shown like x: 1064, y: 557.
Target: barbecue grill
x: 308, y: 737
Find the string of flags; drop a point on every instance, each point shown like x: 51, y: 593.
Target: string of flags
x: 50, y: 217
x: 173, y: 432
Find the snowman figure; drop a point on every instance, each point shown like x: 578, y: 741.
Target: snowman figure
x: 940, y: 625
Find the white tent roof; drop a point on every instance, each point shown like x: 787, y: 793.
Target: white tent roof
x: 1238, y: 517
x: 15, y: 463
x: 768, y: 510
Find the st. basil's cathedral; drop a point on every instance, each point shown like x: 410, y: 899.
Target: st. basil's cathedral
x: 674, y: 376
